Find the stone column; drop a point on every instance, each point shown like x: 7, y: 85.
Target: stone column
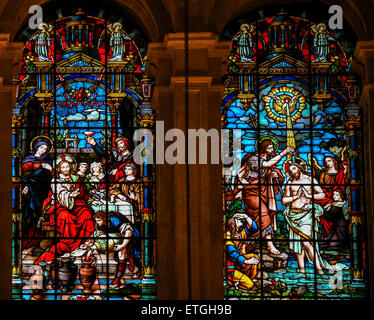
x: 364, y: 65
x: 10, y: 54
x: 46, y: 102
x: 145, y: 119
x: 189, y: 208
x: 113, y: 104
x: 16, y: 205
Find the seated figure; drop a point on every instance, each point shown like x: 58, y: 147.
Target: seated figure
x: 127, y: 189
x: 242, y: 267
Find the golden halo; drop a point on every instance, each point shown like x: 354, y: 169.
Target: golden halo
x: 319, y: 25
x: 245, y: 27
x: 296, y: 160
x: 272, y: 113
x: 267, y: 137
x: 43, y: 24
x: 41, y: 138
x: 117, y: 24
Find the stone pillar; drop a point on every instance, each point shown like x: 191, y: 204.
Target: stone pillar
x: 145, y: 119
x: 46, y: 102
x: 189, y: 208
x: 364, y: 65
x: 10, y: 54
x: 113, y: 104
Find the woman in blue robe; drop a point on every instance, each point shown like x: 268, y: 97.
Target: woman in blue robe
x: 36, y: 181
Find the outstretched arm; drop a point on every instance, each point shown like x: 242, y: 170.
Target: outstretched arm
x: 273, y: 161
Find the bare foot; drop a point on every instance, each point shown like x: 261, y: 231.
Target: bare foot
x: 320, y: 272
x: 302, y: 270
x: 272, y: 249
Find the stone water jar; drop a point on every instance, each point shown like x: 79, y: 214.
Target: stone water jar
x: 67, y: 273
x: 87, y: 274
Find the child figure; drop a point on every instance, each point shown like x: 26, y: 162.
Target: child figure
x: 338, y: 227
x: 97, y: 182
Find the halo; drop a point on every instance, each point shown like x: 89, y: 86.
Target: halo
x: 291, y: 161
x: 67, y: 157
x: 319, y: 25
x: 273, y: 112
x: 117, y: 24
x: 267, y: 137
x: 42, y: 138
x: 244, y: 26
x: 41, y: 25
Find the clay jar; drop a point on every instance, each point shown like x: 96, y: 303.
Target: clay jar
x: 87, y: 274
x: 67, y: 273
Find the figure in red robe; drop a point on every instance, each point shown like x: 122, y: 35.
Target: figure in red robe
x: 259, y: 200
x: 66, y: 208
x: 118, y: 157
x: 332, y: 177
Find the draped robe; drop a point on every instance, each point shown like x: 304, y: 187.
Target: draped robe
x: 329, y: 183
x: 72, y: 217
x: 37, y: 179
x: 259, y: 200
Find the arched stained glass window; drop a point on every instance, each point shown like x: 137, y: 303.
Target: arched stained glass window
x: 293, y: 199
x: 83, y: 208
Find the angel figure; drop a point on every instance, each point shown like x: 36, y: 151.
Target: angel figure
x: 117, y: 41
x: 43, y: 41
x: 245, y: 42
x: 321, y: 42
x: 331, y: 176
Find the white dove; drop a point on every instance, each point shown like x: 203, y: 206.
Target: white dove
x: 285, y: 103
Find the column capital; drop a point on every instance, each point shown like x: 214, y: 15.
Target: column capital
x: 10, y: 54
x: 206, y: 56
x: 363, y: 61
x: 114, y: 104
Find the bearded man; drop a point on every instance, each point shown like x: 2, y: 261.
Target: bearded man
x: 118, y: 157
x: 257, y: 183
x: 302, y: 216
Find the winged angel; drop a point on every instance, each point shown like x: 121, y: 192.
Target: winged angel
x: 321, y: 42
x: 117, y: 41
x: 43, y: 41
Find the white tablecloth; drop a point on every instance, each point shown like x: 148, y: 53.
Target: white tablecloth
x: 122, y: 207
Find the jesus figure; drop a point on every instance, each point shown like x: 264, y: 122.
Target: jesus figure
x: 303, y: 228
x: 66, y: 208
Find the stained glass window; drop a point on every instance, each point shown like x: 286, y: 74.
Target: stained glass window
x: 294, y: 216
x: 83, y: 208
